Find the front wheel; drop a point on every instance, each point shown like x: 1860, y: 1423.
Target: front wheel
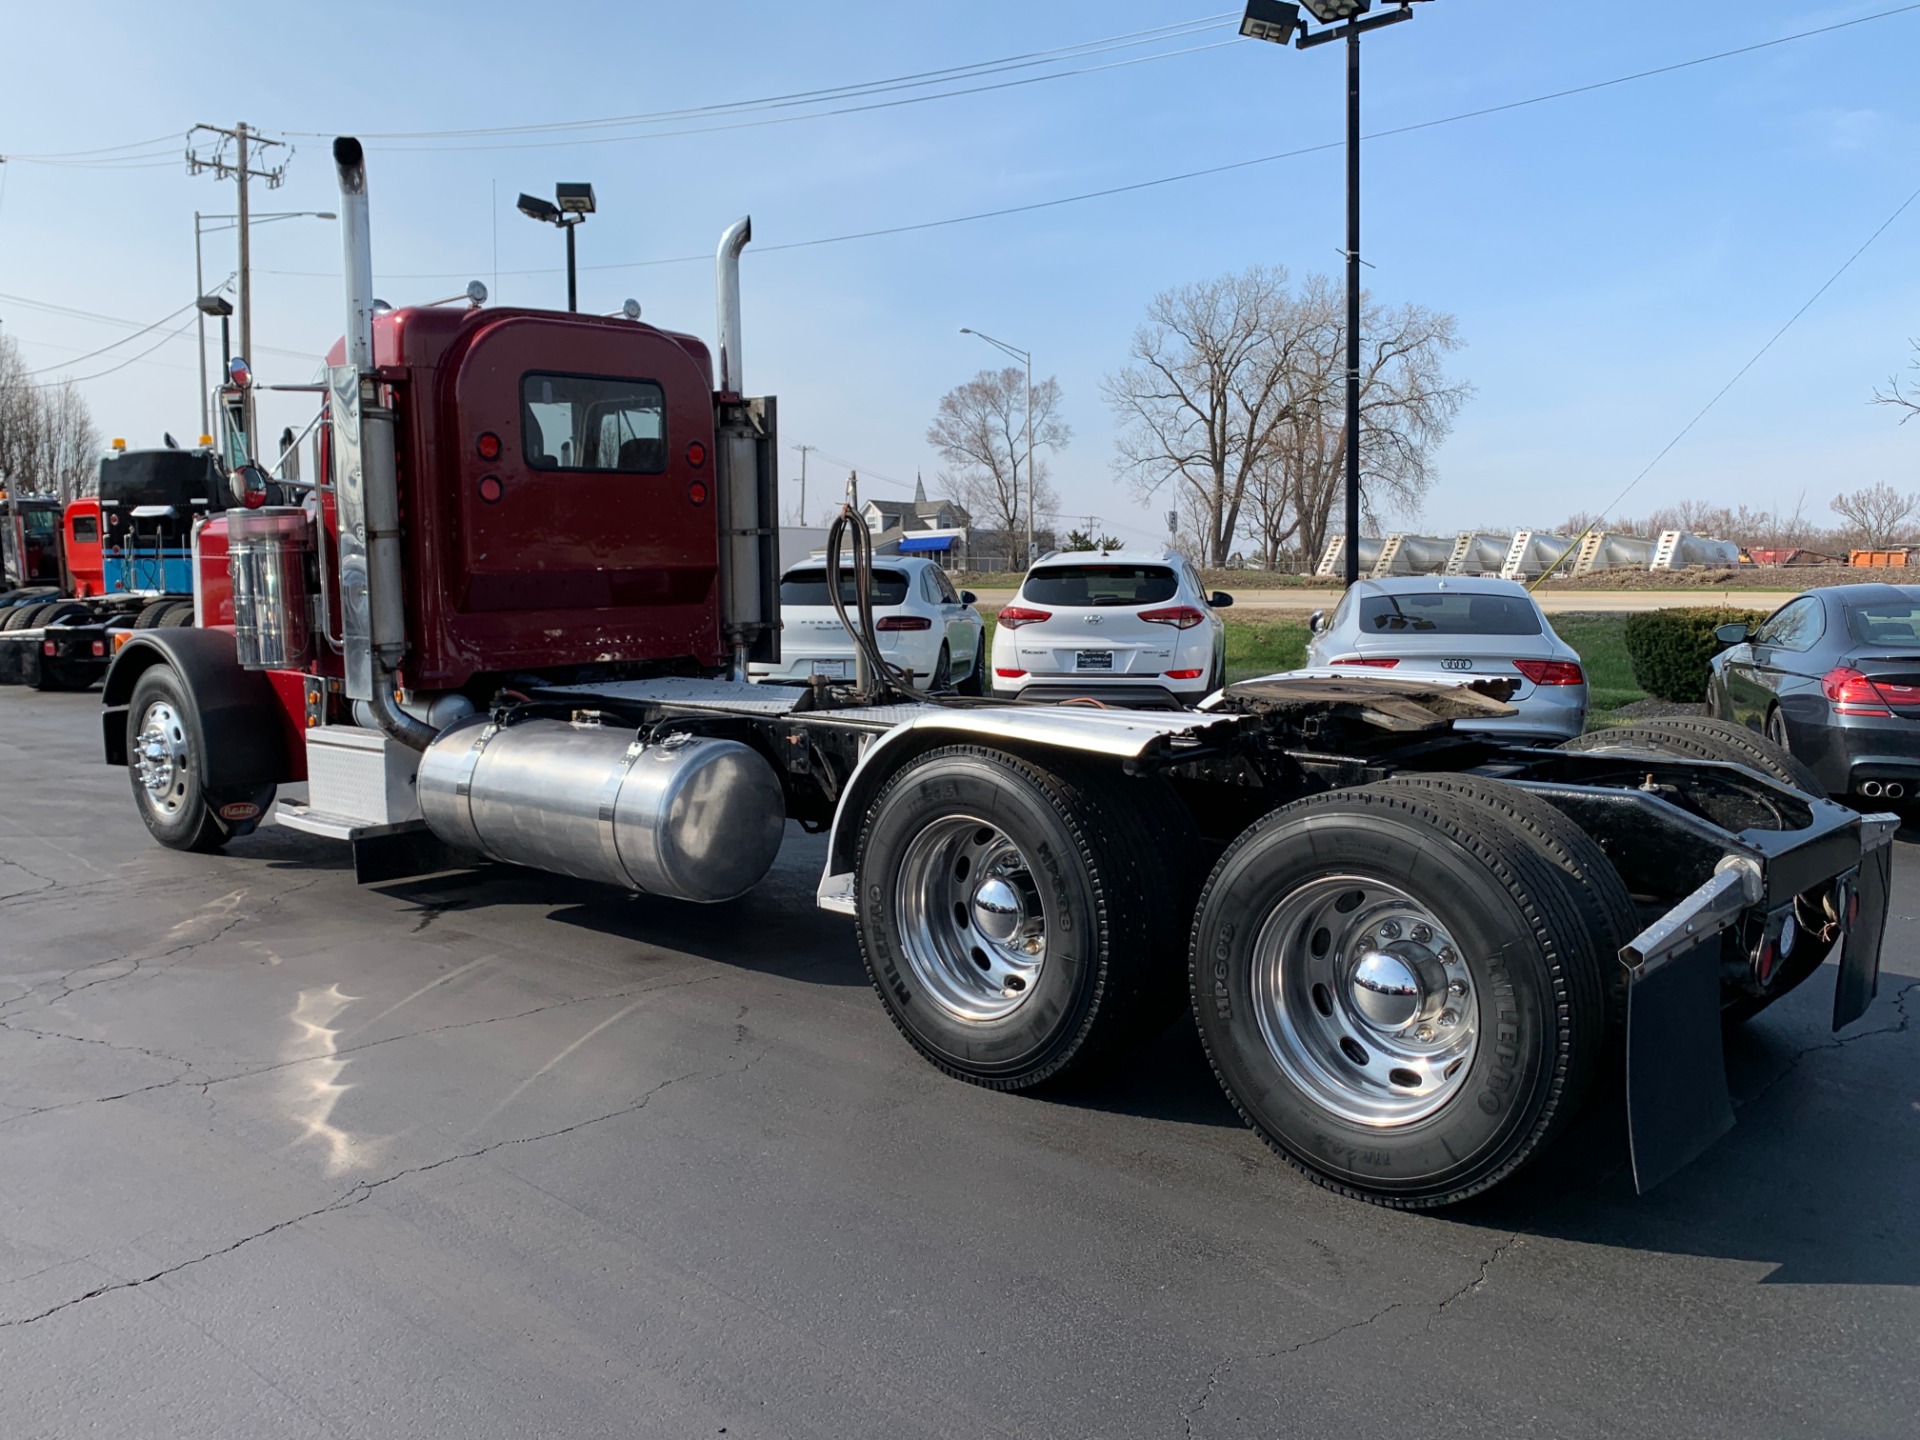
x: 164, y: 766
x: 1398, y: 991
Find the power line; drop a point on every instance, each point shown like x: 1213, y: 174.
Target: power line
x: 1202, y: 173
x: 98, y: 374
x: 68, y: 312
x: 99, y: 150
x: 144, y: 329
x: 821, y: 114
x: 1176, y: 30
x: 1740, y: 374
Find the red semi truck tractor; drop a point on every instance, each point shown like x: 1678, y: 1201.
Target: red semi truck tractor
x: 513, y: 620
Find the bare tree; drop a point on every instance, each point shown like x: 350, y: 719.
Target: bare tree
x: 981, y: 430
x: 48, y: 443
x: 1878, y: 512
x: 1206, y: 395
x: 1907, y: 400
x: 1407, y: 407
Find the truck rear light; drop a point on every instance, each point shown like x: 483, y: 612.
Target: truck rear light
x: 1854, y: 694
x: 488, y: 445
x: 1368, y: 661
x: 99, y: 648
x: 696, y: 454
x: 1185, y: 674
x: 1008, y: 674
x: 1014, y: 616
x: 1551, y: 672
x: 491, y: 489
x: 697, y: 492
x: 47, y: 647
x: 903, y: 622
x: 1182, y: 617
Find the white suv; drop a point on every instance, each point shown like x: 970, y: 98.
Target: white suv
x: 1124, y: 628
x: 924, y: 626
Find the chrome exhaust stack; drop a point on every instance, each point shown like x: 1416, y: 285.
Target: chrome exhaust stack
x: 747, y: 469
x: 726, y: 284
x: 366, y: 480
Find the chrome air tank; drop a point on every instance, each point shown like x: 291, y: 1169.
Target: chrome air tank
x: 691, y: 817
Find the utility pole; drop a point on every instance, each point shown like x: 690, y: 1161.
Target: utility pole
x: 804, y: 449
x: 240, y: 169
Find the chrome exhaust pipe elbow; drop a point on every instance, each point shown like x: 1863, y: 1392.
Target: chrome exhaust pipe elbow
x: 726, y: 281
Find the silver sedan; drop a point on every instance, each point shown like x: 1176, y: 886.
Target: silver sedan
x: 1456, y: 628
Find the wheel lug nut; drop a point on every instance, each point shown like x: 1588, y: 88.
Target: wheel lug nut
x: 1423, y: 933
x: 1389, y: 929
x: 1425, y: 1032
x: 1456, y: 988
x: 1447, y: 957
x: 1449, y: 1018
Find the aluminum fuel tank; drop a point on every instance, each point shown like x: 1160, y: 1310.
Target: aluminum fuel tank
x: 691, y: 817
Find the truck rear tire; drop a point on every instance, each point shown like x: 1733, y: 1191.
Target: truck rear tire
x: 1704, y: 738
x: 23, y: 617
x: 152, y: 613
x: 1019, y: 921
x: 164, y: 746
x: 179, y: 616
x: 1399, y: 991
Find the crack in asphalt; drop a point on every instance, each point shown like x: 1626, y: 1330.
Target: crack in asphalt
x: 1191, y: 1415
x: 1899, y: 1027
x: 147, y: 964
x: 365, y: 1188
x: 206, y: 1086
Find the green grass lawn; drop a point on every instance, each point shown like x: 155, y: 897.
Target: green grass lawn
x: 1260, y: 647
x: 1600, y: 641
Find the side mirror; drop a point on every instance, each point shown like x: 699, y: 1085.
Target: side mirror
x: 1316, y: 622
x: 1737, y: 632
x: 1220, y: 600
x: 967, y: 597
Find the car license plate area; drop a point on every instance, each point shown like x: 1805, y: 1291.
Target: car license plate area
x: 1098, y: 661
x: 830, y: 669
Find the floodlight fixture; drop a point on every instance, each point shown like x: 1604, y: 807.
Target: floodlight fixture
x: 1332, y: 12
x: 534, y: 208
x: 1274, y: 20
x: 574, y: 199
x: 215, y: 305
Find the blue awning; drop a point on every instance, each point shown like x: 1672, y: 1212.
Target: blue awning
x: 916, y: 544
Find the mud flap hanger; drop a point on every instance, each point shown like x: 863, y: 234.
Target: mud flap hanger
x: 1677, y: 1099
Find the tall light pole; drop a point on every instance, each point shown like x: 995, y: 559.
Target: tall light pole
x: 575, y: 203
x: 804, y: 450
x: 200, y: 228
x: 1033, y: 491
x: 1279, y: 22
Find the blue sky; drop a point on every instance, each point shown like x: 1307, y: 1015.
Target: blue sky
x: 1613, y: 257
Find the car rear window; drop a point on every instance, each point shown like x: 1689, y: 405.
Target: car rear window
x: 1893, y: 623
x: 1101, y: 585
x: 809, y: 587
x: 1452, y: 613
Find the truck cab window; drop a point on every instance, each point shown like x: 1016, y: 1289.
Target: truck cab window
x: 584, y: 422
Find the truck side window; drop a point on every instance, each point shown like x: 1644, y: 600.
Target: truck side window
x: 587, y: 422
x: 86, y: 530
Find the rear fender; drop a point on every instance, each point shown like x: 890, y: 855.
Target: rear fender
x: 248, y: 740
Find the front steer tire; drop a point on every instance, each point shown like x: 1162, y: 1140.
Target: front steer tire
x: 1454, y: 894
x: 168, y: 776
x: 971, y: 855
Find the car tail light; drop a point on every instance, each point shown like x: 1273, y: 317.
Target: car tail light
x: 1185, y: 674
x: 1369, y: 661
x: 903, y: 622
x: 1854, y: 694
x: 1551, y: 672
x: 1183, y: 617
x: 1014, y: 616
x: 1008, y: 674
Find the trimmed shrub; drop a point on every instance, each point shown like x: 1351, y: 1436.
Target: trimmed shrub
x: 1670, y: 648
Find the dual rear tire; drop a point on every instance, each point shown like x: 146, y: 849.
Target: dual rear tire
x: 1406, y: 989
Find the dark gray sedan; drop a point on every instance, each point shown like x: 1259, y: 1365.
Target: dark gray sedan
x: 1833, y: 675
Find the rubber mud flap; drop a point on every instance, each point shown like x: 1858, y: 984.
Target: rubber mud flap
x: 1677, y: 1100
x: 1859, y: 978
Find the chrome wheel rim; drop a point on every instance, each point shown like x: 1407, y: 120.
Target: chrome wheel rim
x: 1365, y: 1001
x: 973, y: 925
x: 160, y: 758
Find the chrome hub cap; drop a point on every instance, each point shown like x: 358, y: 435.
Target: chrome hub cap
x: 972, y: 923
x: 1364, y: 1001
x: 160, y: 758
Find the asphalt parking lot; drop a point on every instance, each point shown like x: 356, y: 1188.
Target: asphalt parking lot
x: 502, y: 1154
